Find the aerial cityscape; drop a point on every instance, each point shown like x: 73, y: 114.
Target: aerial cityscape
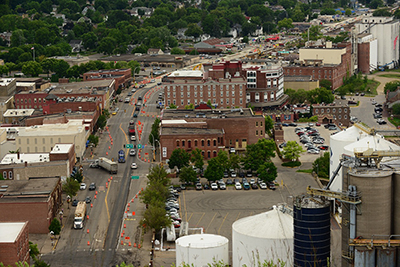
x: 199, y: 133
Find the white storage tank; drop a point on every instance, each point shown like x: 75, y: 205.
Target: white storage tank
x: 337, y: 143
x: 266, y: 236
x: 201, y: 249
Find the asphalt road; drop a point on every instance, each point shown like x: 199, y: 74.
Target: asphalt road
x: 97, y: 243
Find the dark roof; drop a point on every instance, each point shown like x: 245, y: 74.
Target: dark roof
x: 187, y: 131
x: 208, y: 113
x: 51, y: 97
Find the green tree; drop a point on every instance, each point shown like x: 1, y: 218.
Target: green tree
x: 267, y: 171
x: 325, y: 83
x: 71, y: 186
x: 292, y: 150
x: 194, y: 30
x: 321, y: 166
x: 177, y: 51
x: 382, y: 12
x: 155, y: 192
x: 89, y: 40
x: 314, y: 33
x: 391, y: 86
x: 78, y: 176
x: 187, y: 175
x: 396, y: 109
x: 269, y: 124
x: 179, y: 158
x: 214, y: 170
x: 234, y: 161
x: 197, y: 158
x: 107, y: 45
x: 154, y: 136
x: 258, y: 153
x: 3, y: 70
x: 55, y: 226
x: 154, y: 217
x: 32, y: 68
x: 33, y: 251
x: 158, y: 174
x: 61, y: 67
x: 285, y: 24
x: 93, y: 139
x: 223, y: 159
x: 348, y: 12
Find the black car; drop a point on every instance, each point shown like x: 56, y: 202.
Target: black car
x: 226, y: 175
x: 88, y: 200
x: 206, y: 187
x: 140, y: 98
x: 378, y: 109
x: 241, y: 174
x: 249, y: 174
x: 254, y: 186
x: 292, y: 124
x: 137, y: 109
x: 362, y: 94
x: 229, y: 181
x: 183, y: 187
x: 329, y: 125
x: 92, y: 186
x: 135, y: 115
x: 378, y: 105
x: 75, y: 202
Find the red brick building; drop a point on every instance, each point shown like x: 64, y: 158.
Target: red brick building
x: 41, y: 201
x: 338, y: 114
x: 209, y: 130
x: 82, y: 96
x: 318, y: 70
x: 122, y: 77
x: 14, y: 242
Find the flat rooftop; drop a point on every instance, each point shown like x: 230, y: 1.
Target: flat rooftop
x: 169, y: 114
x: 71, y: 127
x: 187, y: 73
x: 12, y: 158
x: 61, y: 148
x: 18, y: 112
x: 6, y: 81
x: 32, y: 190
x: 9, y: 231
x: 188, y: 131
x: 114, y: 71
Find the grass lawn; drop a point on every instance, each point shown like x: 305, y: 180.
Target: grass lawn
x: 291, y: 164
x: 305, y: 170
x: 371, y: 87
x: 391, y: 75
x: 395, y: 121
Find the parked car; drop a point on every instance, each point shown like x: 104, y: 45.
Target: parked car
x: 292, y: 124
x: 263, y: 185
x: 229, y: 181
x: 83, y: 186
x: 75, y: 202
x: 88, y: 200
x: 206, y: 187
x: 214, y: 186
x: 222, y: 186
x: 323, y: 147
x: 198, y: 186
x: 246, y: 186
x: 271, y: 185
x: 182, y: 187
x: 249, y: 174
x: 313, y: 151
x: 238, y: 186
x: 254, y: 186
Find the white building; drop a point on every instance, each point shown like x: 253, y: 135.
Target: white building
x: 386, y: 31
x: 42, y: 138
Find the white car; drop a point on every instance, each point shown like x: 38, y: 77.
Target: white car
x: 133, y: 137
x: 222, y: 186
x: 214, y: 186
x: 313, y: 151
x: 83, y: 186
x: 238, y: 186
x: 132, y: 152
x: 263, y: 186
x: 134, y: 165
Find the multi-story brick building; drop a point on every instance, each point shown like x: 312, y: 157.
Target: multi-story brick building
x: 82, y: 96
x: 209, y: 130
x: 14, y: 242
x: 122, y: 77
x: 332, y: 63
x: 227, y: 84
x: 336, y: 113
x: 41, y: 201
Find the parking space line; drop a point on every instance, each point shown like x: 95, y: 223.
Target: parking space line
x: 184, y: 205
x: 190, y: 217
x: 210, y: 222
x: 198, y: 223
x: 223, y: 222
x: 237, y: 217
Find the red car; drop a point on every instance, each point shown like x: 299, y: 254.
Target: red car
x: 318, y: 124
x: 323, y: 147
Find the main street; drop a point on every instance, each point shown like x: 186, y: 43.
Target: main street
x: 97, y: 244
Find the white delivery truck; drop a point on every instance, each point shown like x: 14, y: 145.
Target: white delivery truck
x: 106, y: 164
x: 80, y: 214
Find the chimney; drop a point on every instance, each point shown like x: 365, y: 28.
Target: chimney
x: 17, y: 154
x: 26, y: 164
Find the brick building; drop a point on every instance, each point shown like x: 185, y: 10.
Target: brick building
x: 14, y: 243
x: 338, y: 114
x: 234, y: 128
x: 39, y: 204
x: 80, y: 96
x: 332, y: 63
x: 367, y: 51
x: 122, y: 77
x: 227, y: 84
x: 8, y: 86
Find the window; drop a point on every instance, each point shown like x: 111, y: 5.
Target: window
x: 27, y: 141
x: 316, y: 111
x: 345, y: 110
x: 214, y: 142
x: 208, y: 142
x: 334, y: 110
x: 227, y: 101
x: 202, y: 142
x: 340, y: 110
x: 328, y: 110
x: 195, y: 142
x: 257, y: 132
x: 4, y: 174
x: 322, y: 110
x: 183, y: 143
x: 227, y: 93
x: 345, y: 116
x: 181, y: 94
x: 256, y: 123
x: 208, y: 154
x: 261, y: 123
x: 188, y: 94
x: 43, y: 140
x: 233, y: 93
x: 35, y: 141
x: 340, y: 117
x: 34, y: 100
x: 261, y: 133
x: 177, y: 143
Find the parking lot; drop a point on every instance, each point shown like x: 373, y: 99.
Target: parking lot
x: 290, y: 135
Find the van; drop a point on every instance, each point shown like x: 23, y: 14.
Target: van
x: 127, y: 100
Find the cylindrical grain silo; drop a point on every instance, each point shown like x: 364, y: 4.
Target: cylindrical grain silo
x: 337, y: 143
x: 386, y: 257
x: 312, y: 236
x: 265, y: 236
x: 375, y: 211
x: 201, y: 250
x: 396, y: 203
x: 364, y: 257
